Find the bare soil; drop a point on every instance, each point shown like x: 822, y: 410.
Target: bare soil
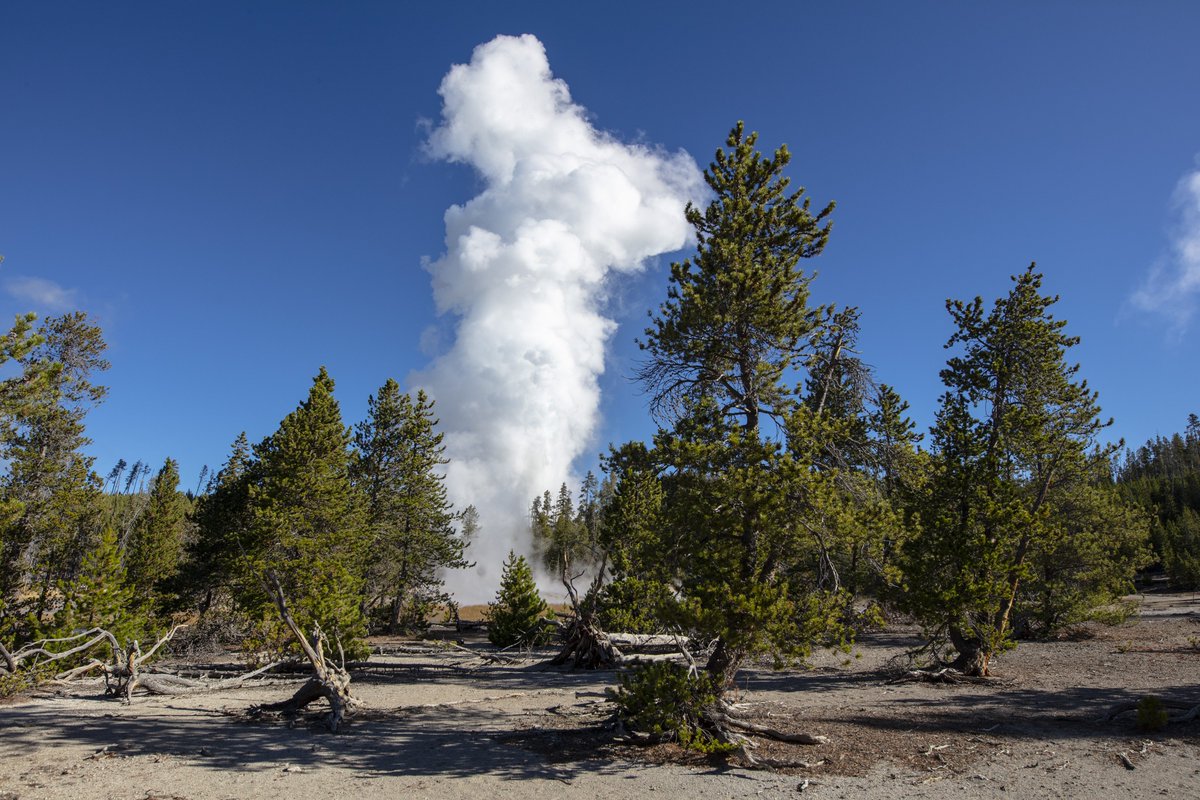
x: 442, y: 722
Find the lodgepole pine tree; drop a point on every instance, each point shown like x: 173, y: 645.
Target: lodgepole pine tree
x: 744, y: 501
x: 307, y: 528
x: 155, y: 545
x: 1016, y: 444
x: 222, y: 520
x: 411, y: 524
x: 49, y: 477
x: 515, y: 617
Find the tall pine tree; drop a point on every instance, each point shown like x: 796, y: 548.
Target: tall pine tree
x: 411, y: 523
x: 740, y: 505
x: 307, y: 527
x: 1016, y: 445
x: 155, y: 546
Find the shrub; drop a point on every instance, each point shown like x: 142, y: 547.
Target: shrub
x: 663, y: 699
x: 1151, y: 713
x: 516, y: 616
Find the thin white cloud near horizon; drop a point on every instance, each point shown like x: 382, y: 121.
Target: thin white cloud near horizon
x: 1173, y: 286
x: 41, y: 293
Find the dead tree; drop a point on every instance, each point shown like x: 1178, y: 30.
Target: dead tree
x: 122, y: 672
x: 329, y: 681
x: 587, y: 646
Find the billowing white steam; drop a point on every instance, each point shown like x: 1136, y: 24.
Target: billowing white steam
x: 565, y: 209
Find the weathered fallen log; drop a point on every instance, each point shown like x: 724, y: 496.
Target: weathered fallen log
x: 645, y: 642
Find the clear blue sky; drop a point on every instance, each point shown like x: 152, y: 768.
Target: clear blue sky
x: 238, y: 191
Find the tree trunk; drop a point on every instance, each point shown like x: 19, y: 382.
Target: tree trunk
x: 329, y: 681
x: 587, y: 646
x: 972, y: 657
x: 723, y: 665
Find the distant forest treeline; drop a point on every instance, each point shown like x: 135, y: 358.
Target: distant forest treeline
x: 1163, y: 476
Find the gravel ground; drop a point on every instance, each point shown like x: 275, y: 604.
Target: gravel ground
x: 445, y: 724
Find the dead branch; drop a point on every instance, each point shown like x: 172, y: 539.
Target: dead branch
x: 329, y: 681
x: 38, y: 652
x: 944, y: 675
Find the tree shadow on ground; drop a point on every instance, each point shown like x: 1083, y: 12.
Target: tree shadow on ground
x: 1015, y: 712
x: 434, y: 742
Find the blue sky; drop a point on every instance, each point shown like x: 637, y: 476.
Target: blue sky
x: 240, y: 192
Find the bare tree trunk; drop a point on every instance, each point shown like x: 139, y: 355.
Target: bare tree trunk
x: 329, y: 681
x: 723, y: 665
x: 587, y: 646
x: 972, y: 657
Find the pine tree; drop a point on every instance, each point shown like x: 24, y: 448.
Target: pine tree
x: 307, y: 528
x: 100, y: 596
x: 155, y: 546
x: 49, y: 477
x: 515, y: 618
x: 741, y: 506
x: 1015, y: 435
x: 413, y: 538
x: 223, y: 522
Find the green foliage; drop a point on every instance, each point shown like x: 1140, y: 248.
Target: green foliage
x: 411, y: 524
x: 756, y: 492
x: 49, y: 497
x: 737, y: 313
x: 1163, y: 477
x: 101, y: 597
x: 222, y: 522
x: 515, y: 618
x: 662, y: 699
x: 1088, y: 561
x: 635, y: 605
x: 155, y: 545
x: 1151, y: 713
x: 307, y: 526
x: 1015, y: 444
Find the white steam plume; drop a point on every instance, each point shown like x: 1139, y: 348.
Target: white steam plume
x: 564, y: 209
x: 1174, y: 283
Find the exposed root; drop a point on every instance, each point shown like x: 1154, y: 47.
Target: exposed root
x: 587, y: 647
x: 943, y: 675
x: 329, y: 681
x: 1187, y: 712
x: 767, y: 731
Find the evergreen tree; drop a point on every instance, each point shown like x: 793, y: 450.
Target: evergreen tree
x: 398, y: 470
x: 515, y: 618
x: 223, y: 522
x: 49, y: 478
x: 1163, y: 478
x: 640, y: 598
x: 741, y: 506
x: 307, y: 528
x: 1016, y: 432
x: 155, y: 546
x: 100, y: 597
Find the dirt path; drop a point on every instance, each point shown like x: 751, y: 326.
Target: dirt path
x: 436, y: 728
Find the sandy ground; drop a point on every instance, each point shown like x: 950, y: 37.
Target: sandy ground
x: 447, y: 725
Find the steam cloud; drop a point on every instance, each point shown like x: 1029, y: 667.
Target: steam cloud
x: 564, y: 209
x: 1173, y: 283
